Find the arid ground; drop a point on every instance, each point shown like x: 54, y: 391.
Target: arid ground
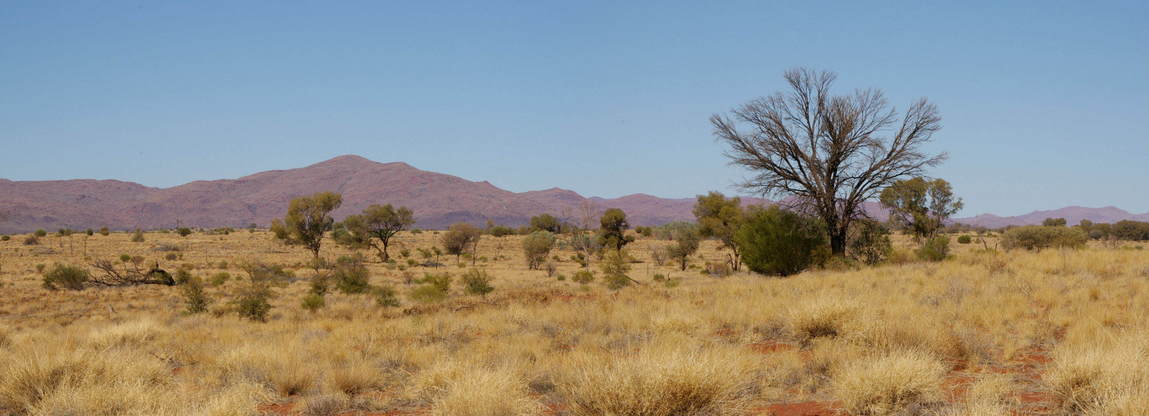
x: 985, y: 332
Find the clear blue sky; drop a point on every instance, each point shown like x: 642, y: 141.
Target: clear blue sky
x: 1045, y: 104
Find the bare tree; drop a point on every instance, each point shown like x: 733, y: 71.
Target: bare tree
x: 827, y: 154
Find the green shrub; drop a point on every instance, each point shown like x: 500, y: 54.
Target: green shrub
x: 5, y: 238
x: 40, y: 268
x: 583, y: 277
x: 138, y: 236
x: 935, y: 249
x: 220, y: 278
x: 313, y: 302
x: 435, y: 288
x: 615, y: 265
x: 477, y: 282
x: 104, y: 231
x: 89, y: 232
x: 195, y: 298
x: 1036, y: 237
x: 183, y: 231
x: 183, y: 276
x: 65, y: 277
x: 40, y: 233
x: 965, y: 239
x: 253, y: 302
x: 778, y: 242
x: 536, y: 247
x: 385, y: 296
x: 869, y: 242
x: 351, y: 275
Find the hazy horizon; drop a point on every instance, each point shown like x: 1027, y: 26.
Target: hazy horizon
x: 1043, y: 104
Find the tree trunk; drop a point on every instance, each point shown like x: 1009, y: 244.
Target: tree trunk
x: 837, y: 242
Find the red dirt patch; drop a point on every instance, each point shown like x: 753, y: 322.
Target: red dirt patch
x: 276, y: 408
x: 771, y: 347
x: 803, y: 409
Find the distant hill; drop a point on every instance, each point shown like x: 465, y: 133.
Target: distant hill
x: 437, y: 199
x: 1073, y: 215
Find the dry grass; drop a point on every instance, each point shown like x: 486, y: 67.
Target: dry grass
x: 1067, y: 325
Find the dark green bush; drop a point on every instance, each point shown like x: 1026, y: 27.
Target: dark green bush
x: 253, y: 302
x: 965, y: 239
x: 31, y: 240
x: 583, y: 277
x: 536, y: 247
x: 65, y: 277
x: 869, y: 242
x: 774, y: 241
x: 40, y: 233
x: 183, y: 231
x: 935, y: 249
x: 1036, y: 237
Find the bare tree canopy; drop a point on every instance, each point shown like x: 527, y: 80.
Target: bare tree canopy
x: 828, y: 154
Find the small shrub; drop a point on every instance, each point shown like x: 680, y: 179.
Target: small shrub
x: 183, y: 231
x: 615, y: 265
x: 435, y: 288
x: 351, y: 276
x: 40, y: 268
x: 583, y: 277
x: 40, y: 233
x: 138, y: 236
x: 869, y: 242
x: 313, y: 302
x: 935, y: 249
x: 477, y: 282
x: 5, y: 238
x: 536, y: 247
x: 253, y: 302
x: 65, y: 277
x: 171, y: 256
x: 385, y: 296
x: 965, y: 239
x: 1037, y: 237
x: 717, y: 269
x: 89, y: 232
x: 659, y: 277
x: 220, y: 278
x: 31, y: 240
x: 104, y: 231
x: 195, y: 299
x: 183, y: 276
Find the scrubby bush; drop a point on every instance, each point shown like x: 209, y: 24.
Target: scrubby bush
x: 500, y: 231
x: 869, y: 242
x: 778, y: 242
x: 935, y: 249
x: 138, y: 236
x: 965, y: 239
x: 435, y: 288
x: 615, y: 265
x: 385, y: 296
x: 583, y: 277
x: 183, y: 231
x: 40, y: 233
x: 461, y: 238
x: 220, y: 278
x: 104, y: 231
x: 1036, y: 237
x: 536, y: 247
x: 477, y: 282
x: 65, y: 277
x: 351, y: 275
x: 31, y: 240
x: 195, y: 298
x: 686, y: 241
x: 182, y: 276
x: 612, y: 231
x: 313, y: 302
x: 546, y: 222
x: 5, y: 238
x: 253, y: 302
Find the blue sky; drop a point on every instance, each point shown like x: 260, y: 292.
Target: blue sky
x: 1045, y: 104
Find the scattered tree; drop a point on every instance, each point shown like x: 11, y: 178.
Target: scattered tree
x: 308, y: 219
x: 546, y: 222
x: 829, y: 154
x: 536, y: 247
x: 460, y: 238
x: 922, y: 206
x: 612, y: 229
x: 1053, y: 222
x: 685, y: 243
x: 719, y: 217
x: 375, y: 227
x: 1036, y: 237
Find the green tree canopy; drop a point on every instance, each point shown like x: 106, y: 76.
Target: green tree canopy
x: 922, y: 206
x: 375, y: 227
x: 308, y: 218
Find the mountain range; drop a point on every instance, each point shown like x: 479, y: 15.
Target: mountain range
x: 437, y: 200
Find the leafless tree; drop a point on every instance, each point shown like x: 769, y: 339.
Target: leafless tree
x: 826, y: 154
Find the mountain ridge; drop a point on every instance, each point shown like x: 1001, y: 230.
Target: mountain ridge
x: 438, y: 200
